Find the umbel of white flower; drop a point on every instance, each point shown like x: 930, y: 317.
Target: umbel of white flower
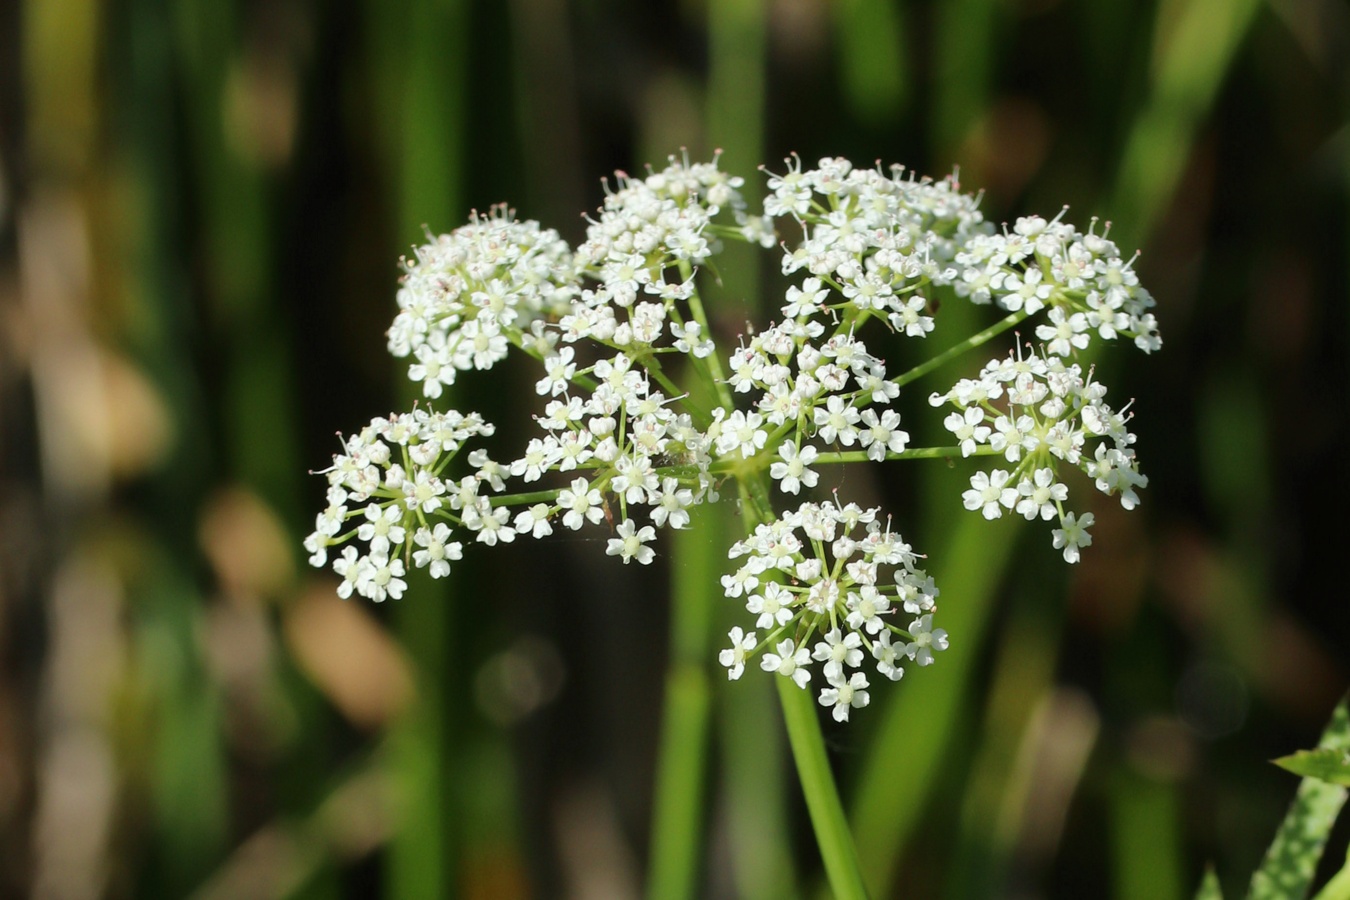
x: 642, y: 413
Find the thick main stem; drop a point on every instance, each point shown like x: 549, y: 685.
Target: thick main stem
x: 823, y: 803
x: 822, y: 797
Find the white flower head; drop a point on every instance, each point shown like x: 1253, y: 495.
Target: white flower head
x: 734, y: 656
x: 788, y: 660
x: 845, y: 695
x: 631, y: 543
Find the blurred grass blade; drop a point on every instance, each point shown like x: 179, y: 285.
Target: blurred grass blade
x: 677, y: 816
x: 237, y: 222
x: 752, y: 744
x: 735, y: 123
x: 995, y: 797
x: 1289, y: 864
x: 1209, y: 887
x: 886, y: 808
x: 869, y: 37
x: 1338, y: 888
x: 1146, y: 838
x: 754, y: 771
x: 963, y: 65
x: 421, y: 47
x: 1190, y: 59
x: 284, y: 857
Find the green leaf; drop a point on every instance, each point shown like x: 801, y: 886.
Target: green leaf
x: 1209, y: 886
x: 1324, y: 763
x: 1288, y: 867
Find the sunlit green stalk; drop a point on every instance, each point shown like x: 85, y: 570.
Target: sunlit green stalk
x: 969, y: 343
x: 678, y: 815
x: 822, y: 797
x: 823, y: 803
x: 849, y: 456
x: 422, y: 50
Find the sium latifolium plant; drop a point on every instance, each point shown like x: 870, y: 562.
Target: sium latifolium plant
x: 643, y: 410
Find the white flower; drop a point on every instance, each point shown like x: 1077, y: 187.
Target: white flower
x: 672, y: 505
x: 1040, y: 494
x: 888, y: 656
x: 1065, y: 332
x: 909, y: 319
x: 1013, y: 437
x: 534, y: 521
x: 741, y: 433
x: 837, y: 651
x: 734, y: 656
x: 845, y: 695
x: 349, y: 567
x: 773, y: 607
x: 489, y: 523
x: 582, y: 503
x: 439, y: 550
x: 423, y: 492
x: 1024, y: 291
x: 1115, y: 471
x: 742, y: 581
x: 317, y: 545
x: 381, y: 577
x: 1073, y: 535
x: 968, y: 427
x: 433, y: 367
x: 383, y: 526
x: 866, y: 609
x: 806, y: 300
x: 559, y: 370
x: 790, y: 661
x: 989, y: 493
x: 792, y: 472
x: 883, y: 434
x: 926, y: 640
x: 631, y: 543
x: 837, y: 421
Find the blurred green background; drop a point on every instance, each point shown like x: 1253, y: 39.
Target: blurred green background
x: 202, y: 204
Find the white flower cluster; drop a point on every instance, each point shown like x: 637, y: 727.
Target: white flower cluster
x: 883, y: 239
x: 824, y: 595
x: 879, y: 239
x: 642, y: 250
x: 1081, y: 277
x: 632, y: 445
x: 804, y: 389
x: 385, y: 490
x: 1038, y: 412
x: 645, y: 414
x: 468, y: 295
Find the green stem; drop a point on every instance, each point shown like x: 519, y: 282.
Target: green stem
x: 677, y: 806
x: 822, y: 798
x: 813, y: 764
x: 526, y: 499
x: 702, y: 418
x: 713, y: 362
x: 654, y: 369
x: 677, y: 816
x: 847, y: 456
x: 969, y: 343
x: 580, y: 379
